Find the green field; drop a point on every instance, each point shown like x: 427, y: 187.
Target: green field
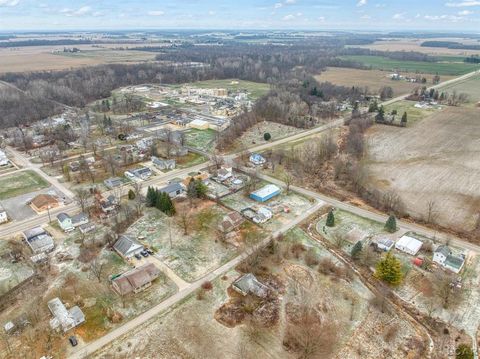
x: 414, y: 114
x: 255, y: 89
x: 201, y: 139
x: 471, y: 87
x: 20, y: 183
x: 453, y: 68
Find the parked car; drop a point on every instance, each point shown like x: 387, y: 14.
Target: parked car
x: 144, y: 253
x: 149, y: 251
x: 138, y: 256
x: 73, y: 341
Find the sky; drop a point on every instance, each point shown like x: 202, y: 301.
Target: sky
x: 435, y: 15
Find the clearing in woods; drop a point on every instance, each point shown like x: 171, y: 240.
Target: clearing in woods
x: 374, y: 80
x: 443, y: 167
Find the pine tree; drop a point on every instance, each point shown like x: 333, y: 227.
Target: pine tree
x: 357, y: 248
x: 151, y: 197
x: 389, y: 270
x: 131, y: 195
x: 404, y: 119
x: 330, y: 219
x: 373, y: 107
x: 391, y: 224
x: 170, y: 208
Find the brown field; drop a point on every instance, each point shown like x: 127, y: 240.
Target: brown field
x: 38, y: 58
x: 414, y: 45
x: 373, y: 79
x: 437, y: 159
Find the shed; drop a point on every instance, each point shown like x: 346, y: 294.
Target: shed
x: 265, y: 193
x: 408, y: 245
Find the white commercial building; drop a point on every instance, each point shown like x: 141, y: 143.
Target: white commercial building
x: 408, y: 245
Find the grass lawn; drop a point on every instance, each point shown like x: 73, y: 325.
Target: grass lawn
x: 471, y: 87
x: 190, y: 160
x: 20, y: 183
x: 255, y: 89
x: 414, y: 114
x: 442, y: 68
x: 201, y: 139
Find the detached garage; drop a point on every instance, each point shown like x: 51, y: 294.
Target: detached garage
x: 265, y: 193
x: 408, y: 245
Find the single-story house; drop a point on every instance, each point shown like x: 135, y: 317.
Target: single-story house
x: 443, y: 256
x: 39, y: 240
x: 136, y: 280
x: 224, y: 173
x: 142, y: 173
x: 173, y: 190
x: 64, y: 318
x: 265, y: 193
x: 408, y: 245
x: 113, y: 182
x: 163, y: 164
x: 230, y: 222
x: 42, y: 202
x: 127, y: 247
x: 87, y: 227
x: 262, y: 215
x: 3, y: 215
x: 249, y: 284
x: 384, y: 244
x: 257, y: 159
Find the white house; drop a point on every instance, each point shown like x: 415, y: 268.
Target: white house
x: 385, y: 244
x: 408, y: 245
x: 443, y: 256
x: 3, y: 215
x: 257, y: 159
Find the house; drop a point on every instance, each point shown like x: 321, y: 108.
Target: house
x: 384, y: 244
x: 127, y: 247
x: 257, y: 159
x: 136, y: 280
x: 39, y: 240
x: 163, y: 164
x: 68, y: 223
x: 265, y: 193
x: 230, y: 222
x: 109, y: 204
x: 64, y: 318
x: 249, y: 284
x: 443, y: 256
x: 3, y: 215
x: 142, y: 174
x: 3, y: 158
x: 43, y: 202
x: 224, y: 173
x: 173, y: 190
x: 87, y: 227
x: 113, y: 182
x: 74, y: 166
x: 408, y: 245
x: 263, y: 215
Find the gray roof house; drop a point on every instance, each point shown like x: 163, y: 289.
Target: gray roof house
x: 443, y: 256
x: 39, y: 240
x: 113, y: 182
x: 173, y: 190
x: 64, y: 318
x: 87, y: 227
x: 249, y: 284
x: 68, y: 223
x: 163, y: 164
x: 127, y: 247
x: 79, y: 219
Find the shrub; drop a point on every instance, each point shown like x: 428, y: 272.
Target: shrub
x: 267, y: 136
x: 311, y: 258
x: 207, y: 285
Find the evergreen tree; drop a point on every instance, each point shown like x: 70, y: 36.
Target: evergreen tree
x: 267, y: 136
x: 380, y: 117
x: 151, y: 197
x: 404, y: 119
x: 391, y: 224
x: 169, y: 206
x: 373, y: 107
x: 357, y: 248
x: 464, y: 352
x: 330, y: 219
x: 389, y: 269
x: 131, y: 195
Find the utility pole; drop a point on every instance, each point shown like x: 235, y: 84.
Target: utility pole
x: 49, y: 218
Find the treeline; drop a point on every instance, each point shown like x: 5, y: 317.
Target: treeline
x: 474, y: 59
x: 450, y: 45
x: 394, y: 55
x: 38, y: 42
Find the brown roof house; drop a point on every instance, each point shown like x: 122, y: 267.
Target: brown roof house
x: 230, y: 222
x: 42, y: 202
x: 136, y: 280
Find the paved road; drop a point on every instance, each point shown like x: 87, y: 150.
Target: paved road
x: 90, y: 348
